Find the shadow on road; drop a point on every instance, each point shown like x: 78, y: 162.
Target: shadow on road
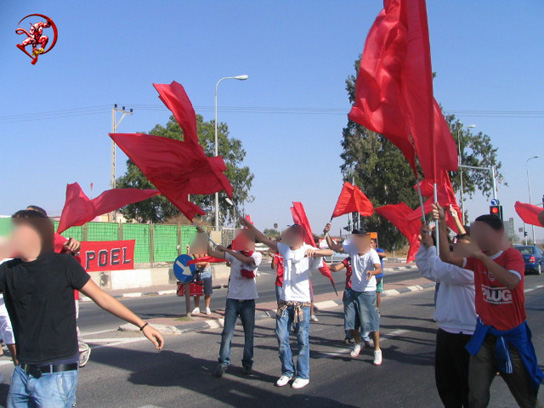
x: 171, y: 369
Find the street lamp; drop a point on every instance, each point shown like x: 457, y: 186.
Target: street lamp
x: 461, y: 170
x: 239, y: 78
x: 529, y: 187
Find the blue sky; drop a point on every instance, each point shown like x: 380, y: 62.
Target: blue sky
x: 488, y: 56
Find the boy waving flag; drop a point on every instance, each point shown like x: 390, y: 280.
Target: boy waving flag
x: 295, y: 299
x: 502, y: 339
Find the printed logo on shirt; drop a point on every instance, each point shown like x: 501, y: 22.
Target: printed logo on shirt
x: 497, y: 295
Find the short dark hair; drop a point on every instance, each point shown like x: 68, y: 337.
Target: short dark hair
x: 41, y: 223
x: 358, y: 232
x: 492, y: 220
x: 37, y: 209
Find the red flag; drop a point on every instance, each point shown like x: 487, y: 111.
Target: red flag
x: 378, y: 94
x: 446, y: 197
x: 79, y: 209
x: 397, y: 214
x: 176, y: 168
x: 300, y: 218
x: 352, y: 199
x: 529, y: 213
x: 209, y: 259
x: 394, y: 91
x: 175, y: 98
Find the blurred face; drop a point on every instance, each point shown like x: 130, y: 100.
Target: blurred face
x: 292, y: 237
x: 362, y: 242
x: 26, y: 241
x: 244, y: 241
x: 485, y: 237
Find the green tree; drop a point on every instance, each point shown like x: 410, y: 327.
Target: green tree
x: 271, y: 232
x: 159, y: 209
x: 384, y: 175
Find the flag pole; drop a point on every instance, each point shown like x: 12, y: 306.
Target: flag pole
x: 421, y: 204
x: 436, y: 222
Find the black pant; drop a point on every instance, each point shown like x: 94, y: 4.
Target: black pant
x: 451, y: 368
x: 483, y: 370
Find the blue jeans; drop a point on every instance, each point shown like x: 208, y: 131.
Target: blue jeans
x: 55, y: 390
x: 302, y: 330
x: 246, y: 311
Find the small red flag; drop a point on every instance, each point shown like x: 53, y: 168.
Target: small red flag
x: 209, y: 259
x: 352, y: 199
x: 79, y: 209
x: 397, y: 214
x: 529, y: 213
x: 300, y: 218
x: 446, y: 197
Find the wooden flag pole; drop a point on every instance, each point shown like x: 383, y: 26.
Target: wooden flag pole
x: 421, y: 204
x: 436, y: 222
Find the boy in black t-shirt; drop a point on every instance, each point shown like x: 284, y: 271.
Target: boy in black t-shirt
x: 38, y: 287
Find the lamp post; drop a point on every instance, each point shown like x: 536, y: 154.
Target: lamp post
x: 529, y: 188
x: 239, y: 78
x: 461, y: 187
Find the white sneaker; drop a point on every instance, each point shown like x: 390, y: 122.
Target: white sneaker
x: 314, y: 318
x: 196, y: 310
x: 378, y: 359
x: 356, y: 350
x: 283, y: 381
x: 208, y: 311
x: 300, y: 383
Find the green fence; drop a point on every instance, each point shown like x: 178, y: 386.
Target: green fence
x: 154, y: 242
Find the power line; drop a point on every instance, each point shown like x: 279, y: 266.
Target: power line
x: 95, y: 110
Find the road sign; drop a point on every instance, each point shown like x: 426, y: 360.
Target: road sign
x: 495, y: 201
x: 184, y: 273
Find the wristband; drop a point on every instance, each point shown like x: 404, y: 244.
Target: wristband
x: 144, y: 326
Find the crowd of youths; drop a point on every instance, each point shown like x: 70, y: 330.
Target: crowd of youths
x: 480, y: 307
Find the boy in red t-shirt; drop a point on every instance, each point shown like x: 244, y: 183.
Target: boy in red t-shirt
x: 502, y: 340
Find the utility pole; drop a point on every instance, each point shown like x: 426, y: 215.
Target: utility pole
x: 114, y: 125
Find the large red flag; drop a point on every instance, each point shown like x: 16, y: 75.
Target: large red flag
x: 79, y: 209
x: 394, y: 90
x: 352, y: 199
x: 378, y: 104
x: 529, y: 213
x: 397, y: 214
x: 176, y: 168
x: 300, y: 218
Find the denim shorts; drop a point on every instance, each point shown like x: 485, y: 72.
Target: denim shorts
x: 362, y: 304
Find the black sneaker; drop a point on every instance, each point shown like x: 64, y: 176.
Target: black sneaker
x: 219, y: 371
x: 247, y: 370
x: 347, y: 340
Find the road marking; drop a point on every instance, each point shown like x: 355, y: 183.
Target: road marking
x: 118, y: 343
x: 97, y: 332
x: 534, y: 288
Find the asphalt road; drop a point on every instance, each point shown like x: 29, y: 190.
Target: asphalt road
x: 125, y: 371
x: 92, y: 318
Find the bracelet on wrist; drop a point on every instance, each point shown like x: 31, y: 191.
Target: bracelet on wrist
x: 144, y: 326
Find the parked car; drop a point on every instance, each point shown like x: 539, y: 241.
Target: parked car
x: 533, y: 256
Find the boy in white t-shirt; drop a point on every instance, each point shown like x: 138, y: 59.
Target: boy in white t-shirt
x: 295, y: 300
x: 361, y: 296
x: 241, y: 296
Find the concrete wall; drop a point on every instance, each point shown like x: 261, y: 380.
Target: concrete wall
x: 142, y: 278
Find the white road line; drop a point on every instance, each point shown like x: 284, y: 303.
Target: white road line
x: 534, y: 288
x: 97, y: 332
x: 118, y: 343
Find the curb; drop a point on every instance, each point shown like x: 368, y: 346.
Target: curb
x: 170, y: 292
x: 267, y: 314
